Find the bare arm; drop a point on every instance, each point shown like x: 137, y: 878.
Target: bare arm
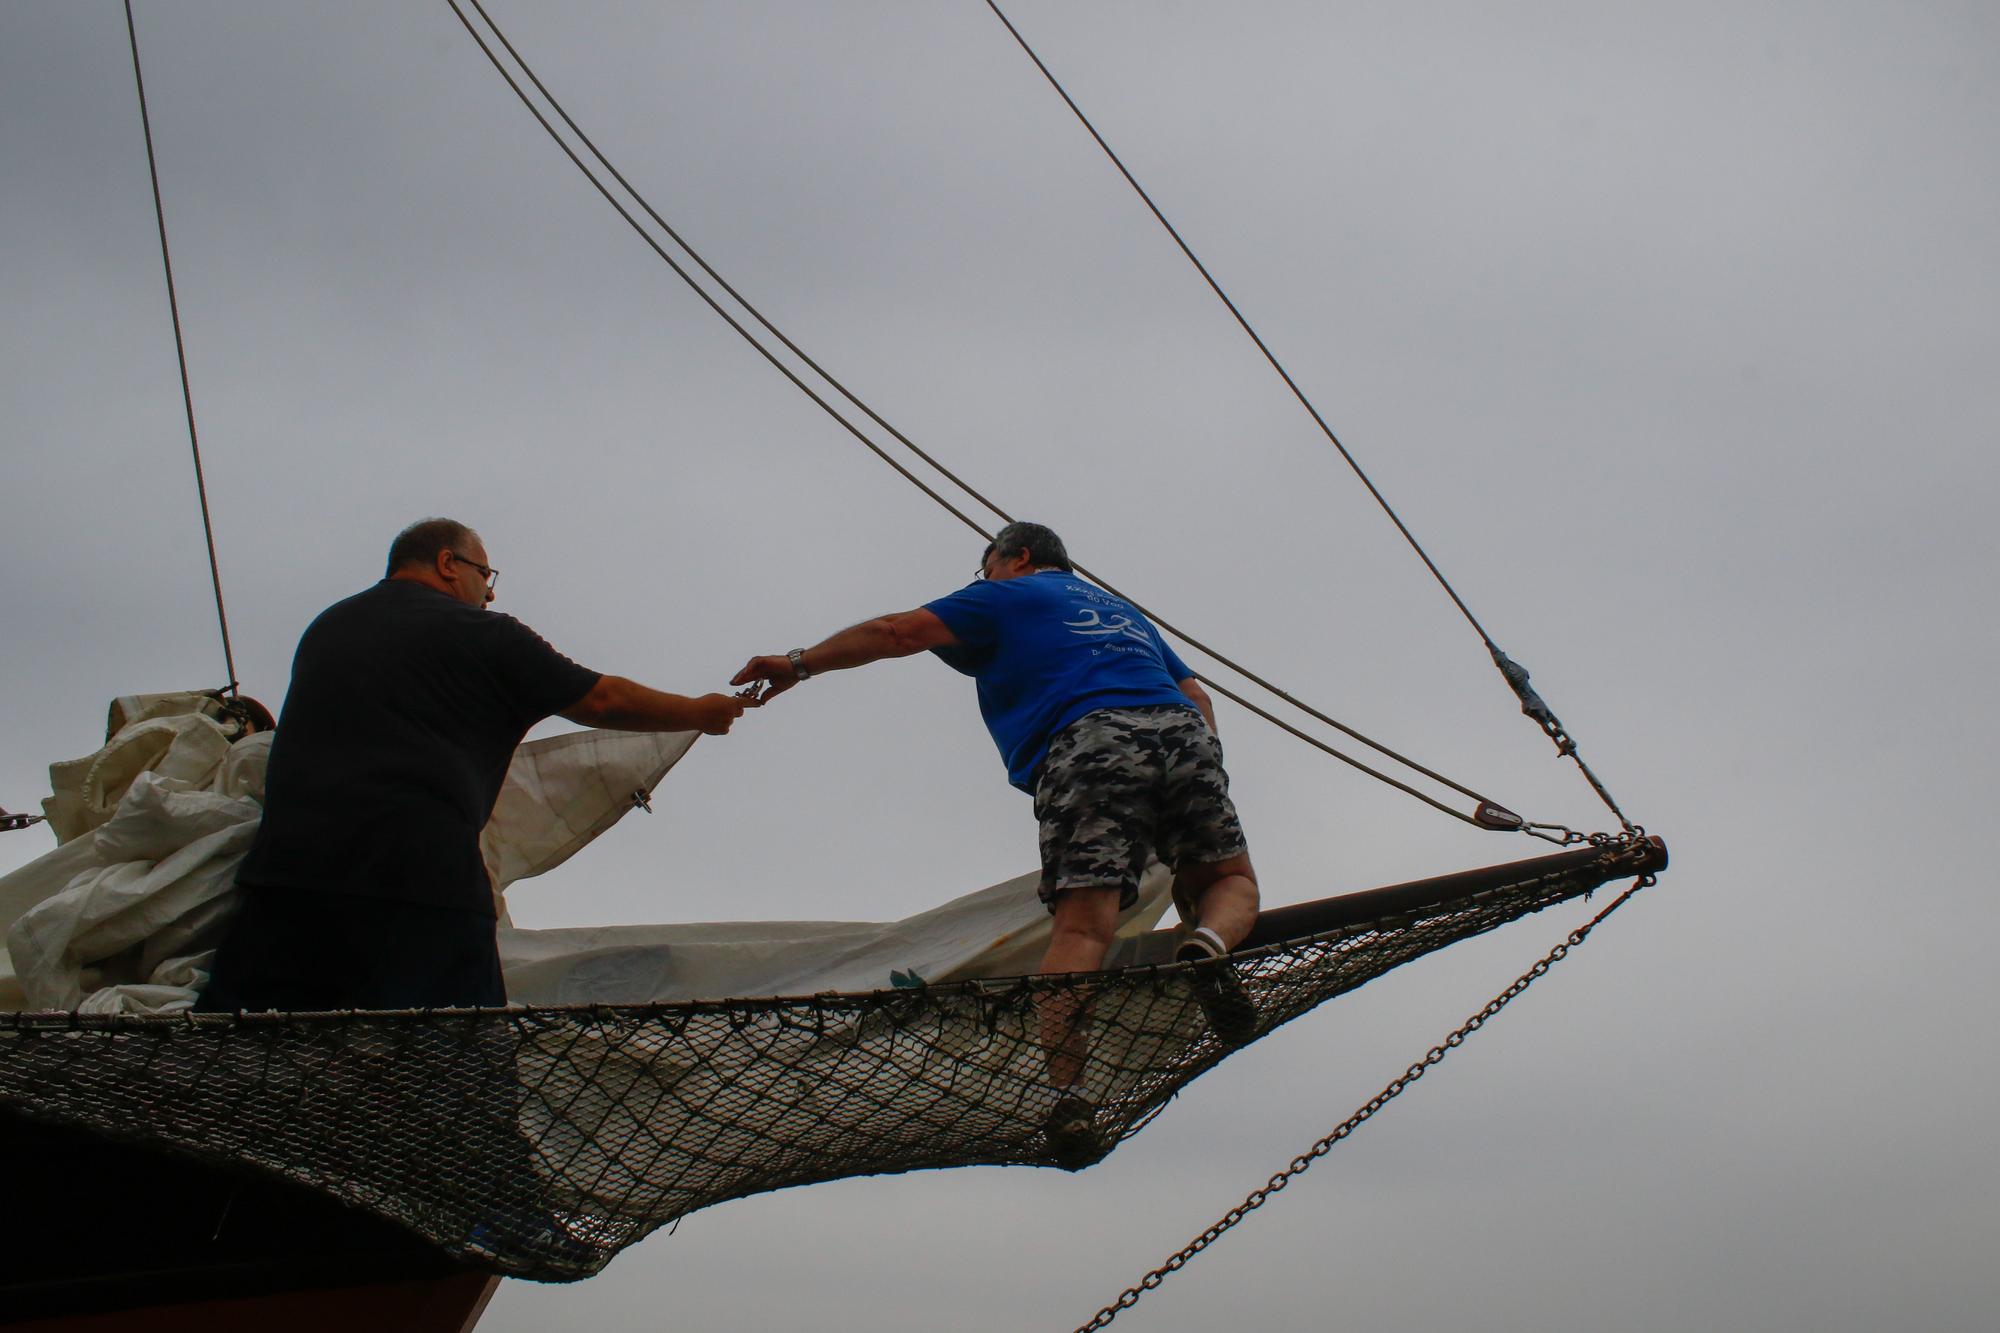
x: 901, y: 635
x: 1199, y: 698
x: 619, y: 704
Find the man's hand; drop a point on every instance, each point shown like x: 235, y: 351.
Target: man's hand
x: 713, y: 713
x: 772, y: 677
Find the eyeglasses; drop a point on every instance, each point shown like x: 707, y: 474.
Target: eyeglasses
x: 487, y: 572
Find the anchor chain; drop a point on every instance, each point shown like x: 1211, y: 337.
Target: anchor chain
x: 1303, y: 1162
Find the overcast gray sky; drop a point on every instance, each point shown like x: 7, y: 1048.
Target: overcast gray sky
x: 1668, y: 328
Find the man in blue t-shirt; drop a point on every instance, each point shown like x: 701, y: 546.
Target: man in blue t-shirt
x: 1104, y: 725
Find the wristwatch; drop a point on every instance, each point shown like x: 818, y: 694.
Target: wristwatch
x: 798, y: 660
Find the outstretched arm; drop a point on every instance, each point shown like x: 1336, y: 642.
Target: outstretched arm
x: 1199, y: 698
x: 901, y: 635
x: 618, y: 704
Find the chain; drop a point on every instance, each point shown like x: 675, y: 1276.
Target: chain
x: 1300, y: 1164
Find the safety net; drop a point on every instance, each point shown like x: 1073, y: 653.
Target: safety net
x: 539, y: 1142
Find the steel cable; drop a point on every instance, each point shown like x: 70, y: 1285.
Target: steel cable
x: 180, y: 351
x: 853, y: 429
x: 1531, y: 705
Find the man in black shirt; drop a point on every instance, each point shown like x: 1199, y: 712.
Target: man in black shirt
x: 365, y: 888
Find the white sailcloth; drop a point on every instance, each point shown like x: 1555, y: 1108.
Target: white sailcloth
x: 124, y: 916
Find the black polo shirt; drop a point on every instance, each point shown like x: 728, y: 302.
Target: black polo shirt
x: 404, y: 710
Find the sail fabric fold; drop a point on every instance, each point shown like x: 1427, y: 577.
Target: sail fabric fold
x: 562, y: 792
x: 125, y: 914
x: 1002, y: 930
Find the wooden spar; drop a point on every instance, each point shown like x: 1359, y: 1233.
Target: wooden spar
x: 1315, y: 918
x: 1581, y: 869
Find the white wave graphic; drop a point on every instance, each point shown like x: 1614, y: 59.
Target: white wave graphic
x: 1094, y: 626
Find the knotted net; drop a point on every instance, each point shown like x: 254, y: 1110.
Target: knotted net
x: 540, y: 1142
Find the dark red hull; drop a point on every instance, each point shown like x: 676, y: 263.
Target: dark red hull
x: 99, y: 1236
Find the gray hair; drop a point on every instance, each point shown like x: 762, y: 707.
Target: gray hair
x: 420, y: 543
x: 1044, y: 548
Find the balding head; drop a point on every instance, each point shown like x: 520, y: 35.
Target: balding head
x: 420, y: 543
x: 443, y: 553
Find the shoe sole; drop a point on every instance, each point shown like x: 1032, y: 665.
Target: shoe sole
x: 1231, y: 1014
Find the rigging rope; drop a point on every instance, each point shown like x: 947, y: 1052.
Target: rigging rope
x: 1303, y: 1162
x: 1515, y: 675
x: 1488, y: 814
x: 684, y: 275
x: 180, y: 351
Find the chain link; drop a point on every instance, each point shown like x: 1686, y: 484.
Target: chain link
x: 1299, y: 1165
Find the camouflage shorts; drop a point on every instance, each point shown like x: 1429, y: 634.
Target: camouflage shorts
x: 1123, y: 784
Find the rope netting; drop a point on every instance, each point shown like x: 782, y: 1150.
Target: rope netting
x: 540, y: 1142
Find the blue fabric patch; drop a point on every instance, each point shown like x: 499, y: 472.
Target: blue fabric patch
x: 1048, y: 648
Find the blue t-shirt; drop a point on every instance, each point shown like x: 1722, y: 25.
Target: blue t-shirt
x: 1048, y: 647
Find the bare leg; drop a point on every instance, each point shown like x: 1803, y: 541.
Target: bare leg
x: 1085, y: 920
x: 1223, y: 895
x: 1221, y: 899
